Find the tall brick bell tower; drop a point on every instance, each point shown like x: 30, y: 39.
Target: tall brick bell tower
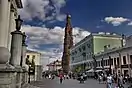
x: 68, y: 43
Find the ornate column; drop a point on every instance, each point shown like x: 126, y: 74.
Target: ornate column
x: 16, y: 51
x: 24, y: 49
x: 11, y: 26
x: 16, y: 47
x: 4, y: 22
x: 23, y: 61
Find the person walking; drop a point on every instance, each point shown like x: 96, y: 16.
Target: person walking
x: 109, y: 81
x: 61, y: 77
x: 120, y: 82
x: 100, y: 78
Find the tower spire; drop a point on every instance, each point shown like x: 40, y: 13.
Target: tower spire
x: 68, y: 43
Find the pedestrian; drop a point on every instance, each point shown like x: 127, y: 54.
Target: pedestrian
x: 100, y: 78
x: 120, y: 82
x: 49, y: 76
x: 109, y: 81
x: 61, y: 77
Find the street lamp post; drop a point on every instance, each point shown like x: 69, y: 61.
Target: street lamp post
x: 102, y: 64
x: 84, y: 58
x: 110, y: 64
x: 94, y: 63
x: 29, y: 73
x: 120, y: 63
x: 18, y: 23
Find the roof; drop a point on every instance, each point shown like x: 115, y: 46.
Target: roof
x: 114, y: 50
x: 98, y: 34
x: 54, y: 63
x: 30, y: 51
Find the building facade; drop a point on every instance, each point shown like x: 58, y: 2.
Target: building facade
x: 55, y: 66
x: 8, y: 14
x: 34, y: 57
x: 83, y: 52
x: 120, y: 61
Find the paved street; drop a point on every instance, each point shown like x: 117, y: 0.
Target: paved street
x: 90, y: 83
x: 46, y: 83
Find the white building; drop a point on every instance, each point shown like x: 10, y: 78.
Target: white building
x: 119, y: 58
x: 82, y: 53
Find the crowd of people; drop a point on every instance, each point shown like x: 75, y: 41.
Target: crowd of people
x: 111, y: 80
x: 62, y: 76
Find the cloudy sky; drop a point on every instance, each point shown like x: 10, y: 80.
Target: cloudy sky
x: 44, y: 22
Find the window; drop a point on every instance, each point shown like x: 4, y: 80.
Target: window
x: 111, y: 61
x: 124, y: 60
x: 72, y: 58
x: 76, y: 52
x: 99, y: 64
x: 33, y: 57
x: 106, y: 61
x: 80, y: 49
x: 28, y: 56
x: 114, y: 61
x: 84, y: 48
x: 88, y: 45
x: 118, y: 62
x: 72, y: 53
x: 130, y: 59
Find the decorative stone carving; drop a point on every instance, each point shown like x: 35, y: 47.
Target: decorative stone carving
x: 5, y: 55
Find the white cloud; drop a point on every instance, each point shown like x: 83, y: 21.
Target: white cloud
x: 130, y: 23
x: 41, y: 35
x: 116, y: 21
x: 42, y: 9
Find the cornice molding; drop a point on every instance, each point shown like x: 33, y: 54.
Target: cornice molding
x: 19, y: 4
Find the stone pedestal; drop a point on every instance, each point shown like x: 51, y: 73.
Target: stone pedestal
x: 19, y: 77
x: 7, y: 77
x: 24, y: 76
x: 16, y: 48
x: 38, y: 72
x: 7, y: 72
x: 24, y: 48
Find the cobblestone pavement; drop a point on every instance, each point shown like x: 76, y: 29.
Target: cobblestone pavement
x: 68, y: 83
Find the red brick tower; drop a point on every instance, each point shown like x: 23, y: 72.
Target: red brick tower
x: 68, y: 43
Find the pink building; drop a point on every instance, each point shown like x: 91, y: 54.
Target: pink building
x: 54, y: 66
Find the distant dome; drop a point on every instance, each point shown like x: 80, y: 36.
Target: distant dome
x: 69, y: 16
x: 107, y: 33
x: 101, y: 33
x: 114, y: 34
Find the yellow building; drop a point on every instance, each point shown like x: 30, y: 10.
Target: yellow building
x: 34, y: 55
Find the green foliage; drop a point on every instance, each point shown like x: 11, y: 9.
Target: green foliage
x: 78, y: 69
